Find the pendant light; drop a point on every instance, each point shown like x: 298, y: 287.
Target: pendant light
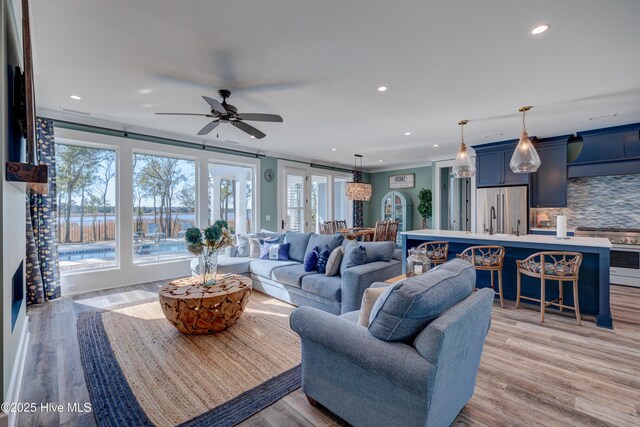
x: 463, y: 166
x: 358, y: 191
x: 525, y: 158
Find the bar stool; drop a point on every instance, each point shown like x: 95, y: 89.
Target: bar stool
x: 437, y: 251
x: 559, y: 266
x: 487, y: 258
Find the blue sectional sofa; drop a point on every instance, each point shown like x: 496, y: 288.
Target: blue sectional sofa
x: 287, y: 280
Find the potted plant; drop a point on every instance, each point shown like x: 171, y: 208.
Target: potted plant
x: 206, y: 247
x: 424, y: 205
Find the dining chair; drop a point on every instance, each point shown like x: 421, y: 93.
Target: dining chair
x: 380, y: 234
x: 341, y: 224
x: 327, y: 228
x: 392, y: 231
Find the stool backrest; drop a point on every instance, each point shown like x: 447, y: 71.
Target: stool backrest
x: 488, y: 256
x: 436, y: 250
x: 553, y: 264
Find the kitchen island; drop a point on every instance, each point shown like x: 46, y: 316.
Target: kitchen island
x: 593, y: 281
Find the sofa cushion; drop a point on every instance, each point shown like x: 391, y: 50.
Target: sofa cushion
x: 406, y: 308
x: 299, y: 242
x: 264, y: 267
x: 354, y: 254
x: 234, y: 265
x: 323, y: 257
x: 311, y: 259
x: 335, y: 261
x: 243, y: 244
x: 291, y: 275
x: 327, y: 287
x: 322, y: 240
x: 351, y: 316
x: 275, y: 251
x: 378, y: 251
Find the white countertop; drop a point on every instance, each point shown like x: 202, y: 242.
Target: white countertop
x: 598, y: 242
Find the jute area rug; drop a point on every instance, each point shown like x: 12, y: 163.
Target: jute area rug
x: 141, y: 371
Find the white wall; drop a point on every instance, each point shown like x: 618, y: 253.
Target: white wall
x: 12, y: 228
x: 127, y: 272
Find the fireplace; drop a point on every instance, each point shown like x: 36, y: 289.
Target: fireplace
x: 17, y: 293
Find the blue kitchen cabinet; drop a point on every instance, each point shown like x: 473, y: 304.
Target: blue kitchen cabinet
x: 548, y: 186
x: 492, y: 163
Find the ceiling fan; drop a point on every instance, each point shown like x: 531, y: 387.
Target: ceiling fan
x: 222, y: 112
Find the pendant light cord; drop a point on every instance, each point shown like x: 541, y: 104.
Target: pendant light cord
x: 524, y: 128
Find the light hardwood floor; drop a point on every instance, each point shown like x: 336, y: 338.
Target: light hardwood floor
x: 555, y: 373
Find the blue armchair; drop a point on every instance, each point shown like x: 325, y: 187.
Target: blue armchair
x: 371, y: 382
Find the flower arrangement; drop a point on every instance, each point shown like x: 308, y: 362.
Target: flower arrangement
x: 206, y: 246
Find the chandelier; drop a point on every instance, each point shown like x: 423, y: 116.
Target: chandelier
x: 358, y: 191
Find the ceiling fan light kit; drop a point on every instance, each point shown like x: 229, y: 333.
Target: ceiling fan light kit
x: 358, y: 191
x: 525, y: 158
x: 222, y: 112
x: 463, y: 165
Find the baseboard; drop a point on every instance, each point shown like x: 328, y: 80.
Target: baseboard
x: 15, y: 384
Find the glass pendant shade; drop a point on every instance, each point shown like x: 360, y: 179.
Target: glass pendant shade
x: 463, y: 165
x: 358, y: 191
x: 525, y: 158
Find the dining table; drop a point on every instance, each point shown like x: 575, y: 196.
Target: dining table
x: 358, y: 233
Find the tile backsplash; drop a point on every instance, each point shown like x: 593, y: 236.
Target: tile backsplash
x: 601, y: 201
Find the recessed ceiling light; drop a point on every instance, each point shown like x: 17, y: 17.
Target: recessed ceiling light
x: 144, y: 91
x: 407, y: 133
x: 379, y: 161
x: 333, y: 149
x: 76, y: 97
x: 382, y: 89
x: 540, y: 29
x: 251, y: 136
x: 147, y: 105
x: 435, y: 145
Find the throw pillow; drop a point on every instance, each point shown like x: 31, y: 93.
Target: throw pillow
x: 244, y: 247
x: 369, y: 298
x: 254, y: 247
x: 323, y: 257
x: 311, y: 260
x: 406, y: 308
x: 334, y: 261
x: 275, y: 251
x: 354, y: 255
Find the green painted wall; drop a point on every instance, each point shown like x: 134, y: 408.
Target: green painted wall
x: 269, y: 194
x: 380, y: 183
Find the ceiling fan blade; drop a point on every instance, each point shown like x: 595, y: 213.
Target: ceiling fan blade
x: 209, y: 127
x: 183, y: 114
x: 214, y: 104
x: 248, y: 129
x: 258, y: 117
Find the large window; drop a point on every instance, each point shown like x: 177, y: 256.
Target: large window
x: 87, y: 215
x: 231, y: 196
x: 163, y: 206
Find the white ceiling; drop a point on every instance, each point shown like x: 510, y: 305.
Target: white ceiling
x: 321, y: 62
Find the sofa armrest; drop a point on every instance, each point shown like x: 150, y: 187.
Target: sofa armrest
x: 395, y: 362
x: 356, y: 279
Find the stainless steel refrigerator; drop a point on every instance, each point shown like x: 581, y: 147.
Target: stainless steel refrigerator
x: 509, y: 204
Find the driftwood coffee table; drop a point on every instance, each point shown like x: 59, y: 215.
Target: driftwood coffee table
x: 196, y: 309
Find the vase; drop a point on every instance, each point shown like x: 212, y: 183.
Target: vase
x: 417, y: 262
x: 208, y: 262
